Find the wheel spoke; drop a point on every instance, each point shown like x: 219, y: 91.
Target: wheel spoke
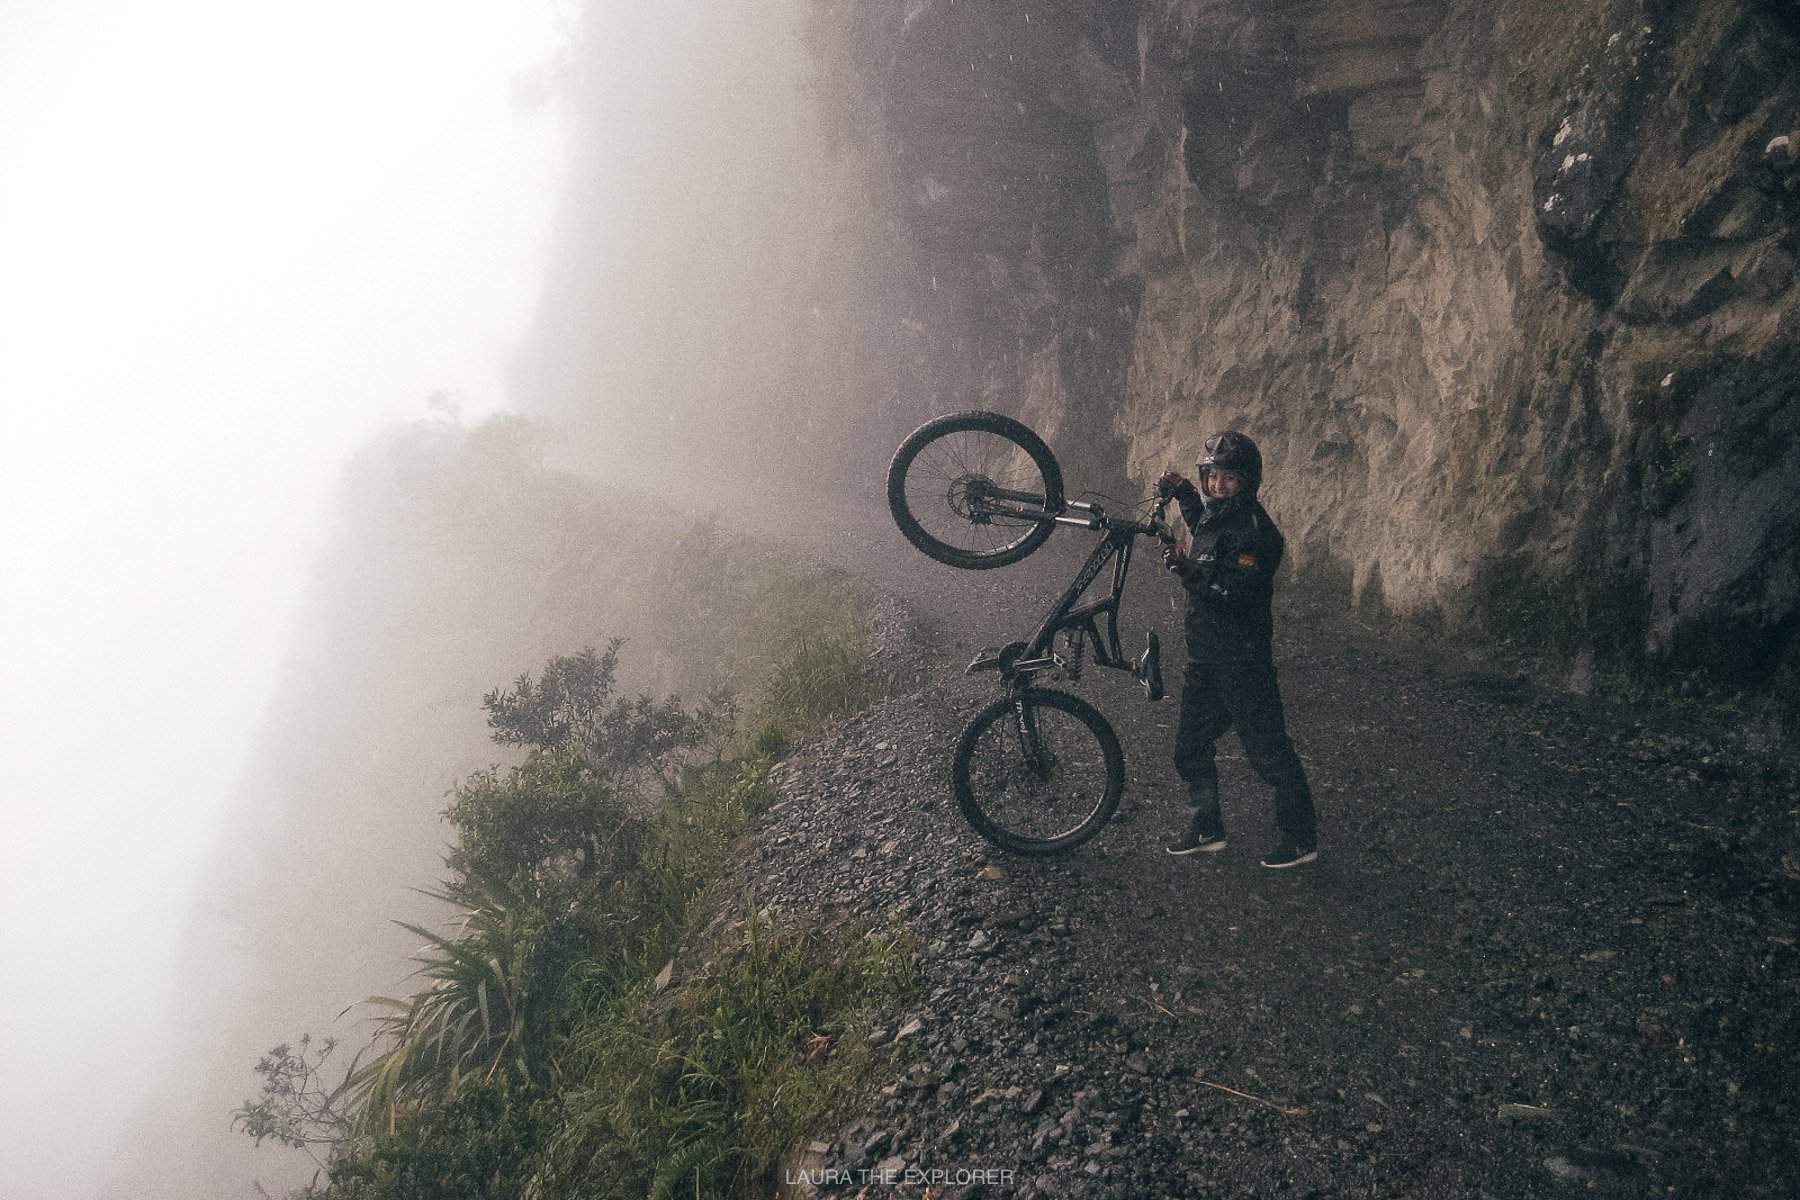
x: 1053, y: 796
x: 948, y: 489
x: 951, y: 468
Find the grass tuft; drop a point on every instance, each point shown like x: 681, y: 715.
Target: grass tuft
x: 737, y: 1064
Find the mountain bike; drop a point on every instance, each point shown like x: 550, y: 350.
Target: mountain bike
x: 1039, y: 770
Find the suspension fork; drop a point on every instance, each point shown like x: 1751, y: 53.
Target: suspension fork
x: 1031, y: 746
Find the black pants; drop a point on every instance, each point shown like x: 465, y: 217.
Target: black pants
x: 1215, y: 696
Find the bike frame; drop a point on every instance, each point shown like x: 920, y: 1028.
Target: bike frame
x: 1019, y: 661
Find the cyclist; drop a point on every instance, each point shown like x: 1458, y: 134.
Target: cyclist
x: 1230, y: 677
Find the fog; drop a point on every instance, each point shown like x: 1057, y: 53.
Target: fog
x: 267, y: 279
x: 235, y: 243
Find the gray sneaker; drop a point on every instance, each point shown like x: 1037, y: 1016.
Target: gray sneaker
x: 1289, y: 855
x: 1203, y: 844
x: 1199, y: 838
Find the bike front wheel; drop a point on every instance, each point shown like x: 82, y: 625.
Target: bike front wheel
x: 975, y: 489
x: 1038, y: 772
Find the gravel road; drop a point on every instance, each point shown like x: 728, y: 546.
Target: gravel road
x: 1549, y: 948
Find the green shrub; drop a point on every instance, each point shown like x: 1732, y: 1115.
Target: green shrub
x: 483, y: 1143
x: 530, y: 1063
x: 632, y: 745
x: 550, y: 818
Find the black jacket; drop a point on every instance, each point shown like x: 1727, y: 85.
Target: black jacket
x: 1230, y: 579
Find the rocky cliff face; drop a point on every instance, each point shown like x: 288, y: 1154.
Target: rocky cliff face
x: 1506, y: 290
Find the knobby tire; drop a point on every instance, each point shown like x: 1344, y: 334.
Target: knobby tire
x: 945, y: 461
x: 1045, y: 807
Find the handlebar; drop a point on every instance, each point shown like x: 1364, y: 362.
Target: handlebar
x: 1096, y: 518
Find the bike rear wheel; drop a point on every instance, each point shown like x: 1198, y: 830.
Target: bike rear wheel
x: 1038, y: 772
x: 975, y: 490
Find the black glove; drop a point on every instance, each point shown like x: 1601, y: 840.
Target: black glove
x: 1170, y: 486
x: 1194, y: 567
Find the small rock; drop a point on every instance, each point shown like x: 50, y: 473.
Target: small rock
x: 1562, y: 1168
x: 1522, y: 1112
x: 1581, y: 676
x: 908, y: 1030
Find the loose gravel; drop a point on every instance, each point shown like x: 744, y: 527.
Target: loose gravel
x: 1549, y: 948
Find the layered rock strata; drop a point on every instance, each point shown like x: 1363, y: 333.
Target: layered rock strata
x: 1505, y: 290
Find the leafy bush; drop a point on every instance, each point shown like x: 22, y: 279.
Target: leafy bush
x: 531, y: 1062
x: 298, y: 1108
x: 551, y: 818
x: 633, y: 746
x: 483, y: 1143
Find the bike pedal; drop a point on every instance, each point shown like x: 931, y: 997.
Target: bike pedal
x: 1149, y: 667
x: 995, y: 658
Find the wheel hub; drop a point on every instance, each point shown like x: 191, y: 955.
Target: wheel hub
x: 969, y: 496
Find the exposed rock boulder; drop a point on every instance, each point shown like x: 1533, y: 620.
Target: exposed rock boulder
x: 1505, y: 290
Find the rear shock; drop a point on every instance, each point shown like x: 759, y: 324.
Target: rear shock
x: 1076, y: 658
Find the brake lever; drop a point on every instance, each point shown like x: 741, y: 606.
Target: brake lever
x: 1160, y: 526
